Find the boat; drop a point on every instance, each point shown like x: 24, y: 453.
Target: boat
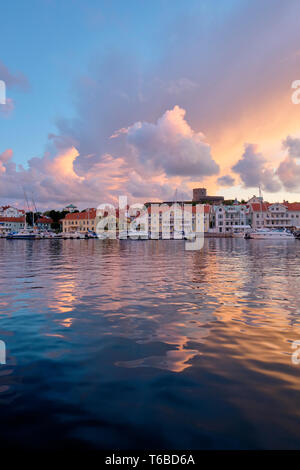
x: 102, y: 235
x: 73, y: 235
x: 24, y: 234
x: 178, y: 234
x: 239, y: 231
x: 189, y: 235
x: 90, y: 234
x: 138, y: 235
x: 268, y: 234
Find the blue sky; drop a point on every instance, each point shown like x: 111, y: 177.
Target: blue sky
x: 94, y: 67
x: 53, y: 41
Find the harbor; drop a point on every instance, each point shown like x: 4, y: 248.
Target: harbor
x: 203, y: 216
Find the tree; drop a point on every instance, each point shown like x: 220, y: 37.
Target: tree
x: 56, y: 216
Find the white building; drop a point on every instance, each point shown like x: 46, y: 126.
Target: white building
x: 9, y: 211
x: 11, y: 224
x: 277, y: 215
x: 227, y: 219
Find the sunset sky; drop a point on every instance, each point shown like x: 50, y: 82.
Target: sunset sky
x: 136, y: 97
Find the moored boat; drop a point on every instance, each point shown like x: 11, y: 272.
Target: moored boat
x: 24, y: 234
x: 267, y: 234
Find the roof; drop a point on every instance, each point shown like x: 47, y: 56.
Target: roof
x: 259, y: 207
x: 293, y: 206
x: 90, y: 214
x: 4, y: 208
x: 44, y: 220
x: 12, y: 219
x: 166, y: 208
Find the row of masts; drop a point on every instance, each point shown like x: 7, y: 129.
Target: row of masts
x: 30, y: 210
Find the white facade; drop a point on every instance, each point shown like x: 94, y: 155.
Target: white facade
x: 277, y: 215
x: 225, y: 219
x: 9, y: 211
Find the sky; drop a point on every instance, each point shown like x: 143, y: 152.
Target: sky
x: 139, y: 98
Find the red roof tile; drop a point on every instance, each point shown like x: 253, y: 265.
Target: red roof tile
x: 259, y: 207
x: 12, y: 219
x: 293, y: 206
x: 44, y: 220
x: 91, y: 214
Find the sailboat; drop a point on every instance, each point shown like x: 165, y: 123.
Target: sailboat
x: 25, y: 233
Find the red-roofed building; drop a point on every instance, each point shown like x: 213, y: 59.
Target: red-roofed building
x: 44, y: 222
x: 276, y: 215
x: 9, y: 211
x: 80, y: 221
x: 11, y: 224
x: 178, y: 216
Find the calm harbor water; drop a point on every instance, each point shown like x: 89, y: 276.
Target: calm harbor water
x: 131, y: 344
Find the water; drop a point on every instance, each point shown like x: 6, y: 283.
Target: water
x: 143, y: 345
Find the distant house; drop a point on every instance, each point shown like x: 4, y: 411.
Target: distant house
x: 80, y: 221
x: 9, y: 211
x: 276, y: 215
x: 70, y: 208
x: 11, y: 219
x: 44, y: 222
x: 11, y: 224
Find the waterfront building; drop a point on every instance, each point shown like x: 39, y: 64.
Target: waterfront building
x: 44, y: 222
x: 9, y: 211
x: 199, y: 197
x: 80, y: 221
x: 276, y: 215
x: 226, y: 219
x: 11, y: 224
x: 165, y: 218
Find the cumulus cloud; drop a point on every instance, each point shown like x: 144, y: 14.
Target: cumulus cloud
x: 289, y: 169
x: 226, y: 180
x: 172, y: 146
x: 254, y: 170
x: 53, y: 180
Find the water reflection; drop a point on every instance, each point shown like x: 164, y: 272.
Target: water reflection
x: 201, y: 339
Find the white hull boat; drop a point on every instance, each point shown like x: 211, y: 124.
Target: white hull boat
x: 267, y: 234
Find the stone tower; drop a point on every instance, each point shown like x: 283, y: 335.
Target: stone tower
x: 199, y: 194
